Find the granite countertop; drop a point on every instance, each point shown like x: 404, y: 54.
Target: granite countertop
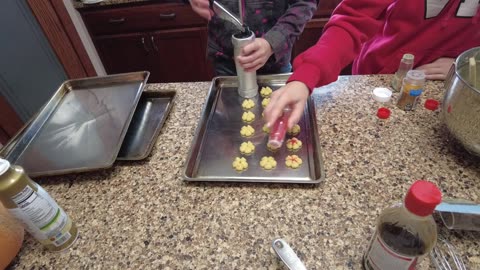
x: 141, y: 215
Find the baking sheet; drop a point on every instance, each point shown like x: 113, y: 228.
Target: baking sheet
x: 217, y: 140
x: 81, y: 128
x: 150, y: 115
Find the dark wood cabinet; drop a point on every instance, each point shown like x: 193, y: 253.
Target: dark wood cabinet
x: 179, y: 54
x: 168, y: 39
x: 124, y: 52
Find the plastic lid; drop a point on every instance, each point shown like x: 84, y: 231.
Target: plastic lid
x: 408, y: 56
x: 383, y: 113
x: 4, y: 165
x: 422, y: 198
x: 381, y: 94
x: 432, y: 104
x: 416, y: 75
x: 415, y: 93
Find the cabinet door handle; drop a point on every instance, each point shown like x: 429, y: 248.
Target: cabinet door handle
x: 145, y: 46
x: 153, y: 43
x: 168, y: 16
x: 120, y: 20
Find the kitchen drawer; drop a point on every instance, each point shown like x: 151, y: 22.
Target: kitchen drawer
x: 141, y: 18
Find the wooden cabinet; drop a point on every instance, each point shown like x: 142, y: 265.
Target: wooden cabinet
x: 124, y: 52
x: 167, y: 39
x: 180, y: 54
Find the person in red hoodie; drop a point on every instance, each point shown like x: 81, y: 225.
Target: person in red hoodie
x: 375, y: 34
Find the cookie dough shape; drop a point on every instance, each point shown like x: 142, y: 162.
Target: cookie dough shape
x: 247, y: 104
x: 268, y: 163
x: 294, y: 130
x: 248, y: 117
x: 265, y: 102
x: 294, y: 144
x: 266, y: 129
x: 266, y: 91
x: 247, y: 148
x: 293, y: 161
x: 240, y: 164
x: 247, y: 131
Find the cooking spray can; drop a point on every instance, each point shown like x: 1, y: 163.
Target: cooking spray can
x: 247, y: 81
x: 30, y: 204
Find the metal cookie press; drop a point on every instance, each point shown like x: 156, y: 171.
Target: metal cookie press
x: 247, y: 81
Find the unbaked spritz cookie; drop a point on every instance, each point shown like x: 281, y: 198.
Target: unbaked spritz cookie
x: 240, y: 164
x: 247, y: 104
x: 294, y: 144
x: 248, y: 117
x: 294, y: 130
x: 247, y: 148
x: 266, y: 129
x: 293, y: 161
x: 266, y: 91
x: 268, y: 163
x: 265, y: 102
x: 247, y: 131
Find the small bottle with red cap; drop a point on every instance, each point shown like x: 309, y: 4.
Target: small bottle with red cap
x: 406, y: 232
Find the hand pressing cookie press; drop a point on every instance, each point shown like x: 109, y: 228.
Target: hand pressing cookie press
x: 247, y: 81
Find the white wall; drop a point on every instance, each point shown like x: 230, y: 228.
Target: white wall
x: 85, y: 37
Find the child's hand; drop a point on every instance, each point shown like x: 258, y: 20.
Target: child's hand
x: 202, y: 8
x: 295, y: 95
x: 255, y: 54
x: 438, y: 69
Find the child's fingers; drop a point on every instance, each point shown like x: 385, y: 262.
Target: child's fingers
x: 269, y: 114
x: 254, y: 63
x: 255, y: 68
x: 202, y: 4
x: 277, y: 109
x: 250, y: 59
x: 250, y: 48
x: 295, y: 115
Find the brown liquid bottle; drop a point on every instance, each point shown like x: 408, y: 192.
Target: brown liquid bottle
x: 405, y: 232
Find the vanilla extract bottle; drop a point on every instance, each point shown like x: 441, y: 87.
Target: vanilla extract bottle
x: 406, y: 232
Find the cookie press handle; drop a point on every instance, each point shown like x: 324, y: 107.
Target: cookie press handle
x: 287, y: 255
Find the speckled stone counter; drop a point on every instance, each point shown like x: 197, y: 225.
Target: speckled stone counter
x: 141, y: 215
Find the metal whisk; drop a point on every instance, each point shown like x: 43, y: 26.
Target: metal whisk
x: 445, y: 257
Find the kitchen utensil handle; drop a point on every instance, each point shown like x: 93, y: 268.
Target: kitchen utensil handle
x: 152, y: 39
x: 120, y: 20
x: 145, y: 46
x: 288, y: 256
x: 168, y: 16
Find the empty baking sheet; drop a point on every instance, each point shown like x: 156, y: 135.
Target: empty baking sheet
x: 150, y: 115
x: 217, y: 140
x: 81, y: 128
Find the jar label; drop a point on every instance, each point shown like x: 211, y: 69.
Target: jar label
x: 41, y: 216
x: 380, y: 256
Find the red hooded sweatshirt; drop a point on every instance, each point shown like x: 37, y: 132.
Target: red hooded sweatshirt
x: 376, y: 33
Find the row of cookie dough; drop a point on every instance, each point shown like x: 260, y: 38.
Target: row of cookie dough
x: 267, y: 162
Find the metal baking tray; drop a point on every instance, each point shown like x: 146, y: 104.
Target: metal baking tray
x: 217, y: 140
x: 81, y: 128
x: 148, y: 119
